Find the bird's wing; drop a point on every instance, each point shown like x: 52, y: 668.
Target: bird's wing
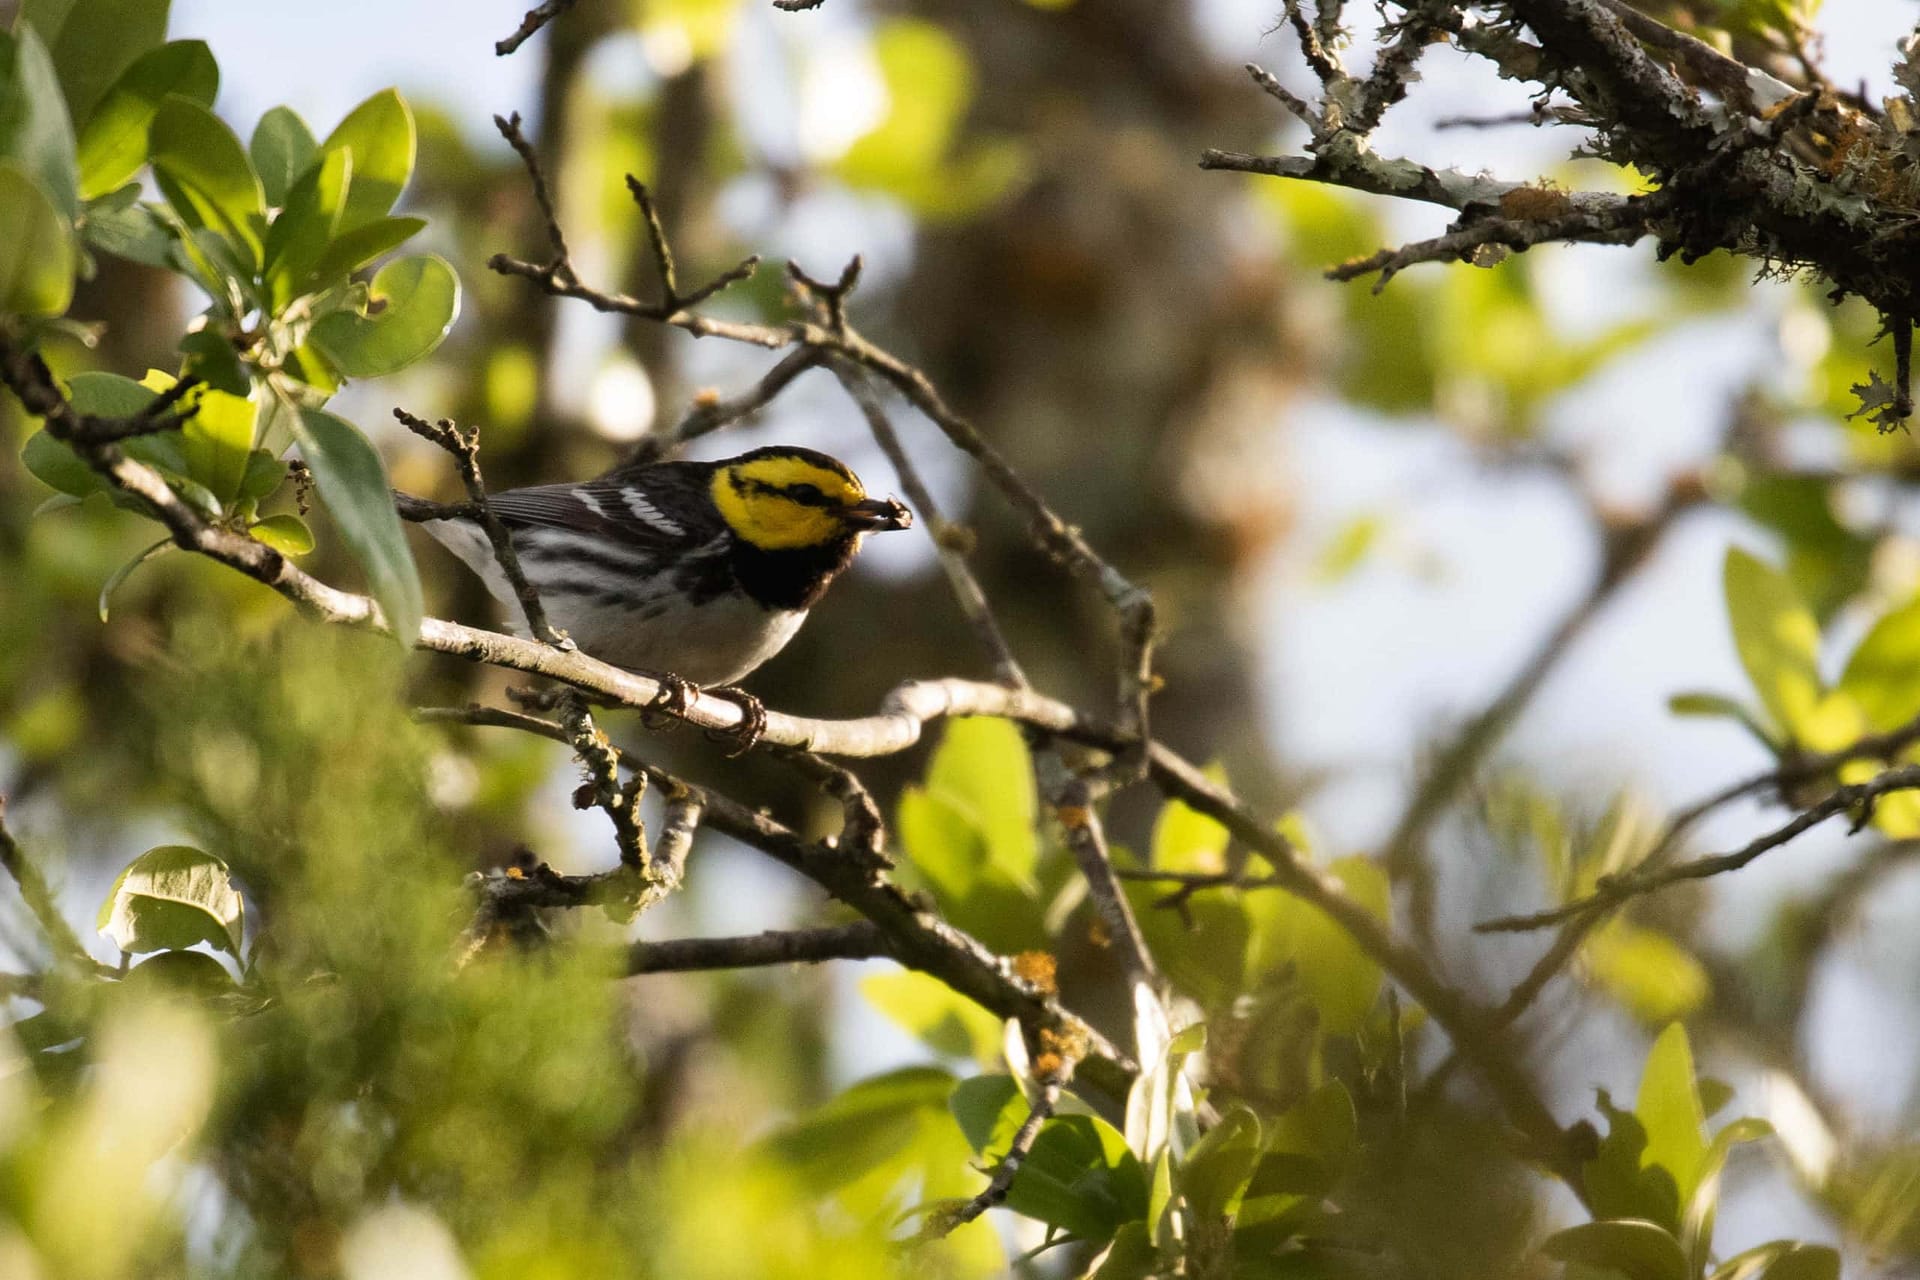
x: 665, y: 506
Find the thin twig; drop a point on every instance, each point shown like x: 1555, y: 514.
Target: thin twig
x: 1005, y: 1170
x: 558, y: 277
x: 950, y: 541
x: 464, y: 446
x: 1613, y: 890
x: 536, y: 18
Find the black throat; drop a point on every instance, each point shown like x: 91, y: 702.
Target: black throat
x: 794, y: 578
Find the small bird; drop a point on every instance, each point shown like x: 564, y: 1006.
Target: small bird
x: 695, y: 570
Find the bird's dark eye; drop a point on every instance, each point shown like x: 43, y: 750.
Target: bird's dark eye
x: 807, y: 493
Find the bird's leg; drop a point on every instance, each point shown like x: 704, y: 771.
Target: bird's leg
x: 675, y: 698
x: 753, y: 720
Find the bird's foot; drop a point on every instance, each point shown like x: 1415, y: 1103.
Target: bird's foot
x: 671, y: 704
x: 753, y: 721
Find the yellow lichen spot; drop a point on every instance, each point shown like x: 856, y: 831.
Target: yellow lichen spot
x: 1534, y: 204
x: 1039, y: 969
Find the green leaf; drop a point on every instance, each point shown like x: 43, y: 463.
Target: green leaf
x: 37, y: 261
x: 1079, y: 1175
x: 1342, y: 980
x: 1749, y: 1263
x: 983, y: 766
x: 355, y: 249
x: 170, y: 898
x: 35, y: 130
x: 304, y: 226
x: 1656, y: 978
x: 980, y: 1103
x: 1778, y: 641
x: 189, y: 973
x: 57, y: 466
x: 864, y: 1126
x: 1669, y: 1106
x: 1883, y: 674
x: 353, y: 484
x: 204, y: 172
x: 265, y: 473
x: 1217, y: 1170
x: 93, y: 42
x: 1631, y: 1247
x: 211, y: 358
x: 287, y: 534
x: 1805, y: 1262
x: 1132, y: 1255
x: 1696, y: 1233
x: 117, y: 223
x: 379, y: 135
x: 1203, y: 949
x: 1187, y: 840
x: 113, y: 145
x: 417, y: 298
x: 1719, y: 706
x: 940, y: 1017
x: 969, y: 833
x: 215, y: 441
x: 125, y: 571
x: 281, y: 150
x: 1081, y: 1178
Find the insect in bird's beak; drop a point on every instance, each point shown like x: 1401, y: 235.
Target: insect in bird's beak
x: 878, y: 514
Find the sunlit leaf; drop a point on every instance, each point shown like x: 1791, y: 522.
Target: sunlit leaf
x: 288, y: 534
x: 37, y: 260
x: 205, y: 174
x: 1632, y: 1247
x: 356, y: 248
x: 1656, y: 978
x: 417, y: 300
x: 170, y: 898
x: 379, y: 135
x: 935, y: 1013
x: 306, y: 224
x: 94, y: 41
x: 1777, y: 638
x: 1186, y: 840
x: 1342, y: 980
x: 1669, y: 1106
x: 113, y: 145
x: 216, y: 439
x: 1883, y: 674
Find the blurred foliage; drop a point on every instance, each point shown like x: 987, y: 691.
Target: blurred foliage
x: 291, y: 1072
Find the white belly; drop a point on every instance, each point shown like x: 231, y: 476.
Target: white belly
x: 715, y: 643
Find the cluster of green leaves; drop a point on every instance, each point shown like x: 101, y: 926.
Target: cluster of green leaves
x: 356, y: 1066
x: 1778, y: 636
x: 274, y: 234
x: 1300, y: 1076
x: 1654, y: 1186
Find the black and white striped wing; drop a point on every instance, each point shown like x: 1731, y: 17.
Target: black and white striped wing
x: 663, y: 508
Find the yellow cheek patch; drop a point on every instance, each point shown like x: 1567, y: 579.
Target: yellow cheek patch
x: 751, y: 500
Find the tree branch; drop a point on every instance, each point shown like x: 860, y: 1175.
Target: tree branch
x: 859, y: 940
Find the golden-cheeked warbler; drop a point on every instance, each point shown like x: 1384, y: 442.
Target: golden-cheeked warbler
x: 700, y: 570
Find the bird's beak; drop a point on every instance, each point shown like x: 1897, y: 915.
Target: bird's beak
x: 878, y: 514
